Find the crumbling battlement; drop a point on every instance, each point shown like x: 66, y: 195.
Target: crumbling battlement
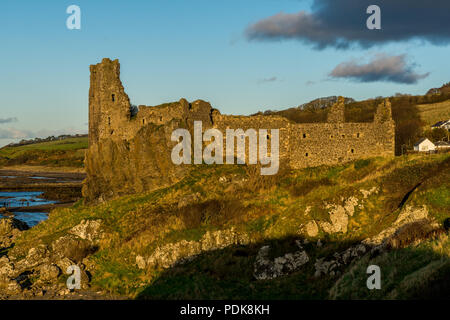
x: 131, y: 153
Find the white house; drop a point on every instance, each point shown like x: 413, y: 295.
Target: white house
x: 445, y: 124
x: 424, y: 145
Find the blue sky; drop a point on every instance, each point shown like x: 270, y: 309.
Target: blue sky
x: 170, y: 49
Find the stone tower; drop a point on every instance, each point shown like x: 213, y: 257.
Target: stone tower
x: 384, y: 112
x: 109, y: 105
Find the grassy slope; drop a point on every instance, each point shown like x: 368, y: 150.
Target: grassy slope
x: 432, y: 113
x: 270, y: 211
x: 68, y: 152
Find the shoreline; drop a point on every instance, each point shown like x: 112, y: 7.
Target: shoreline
x: 63, y: 186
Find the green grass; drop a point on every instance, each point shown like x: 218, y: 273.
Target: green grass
x: 67, y: 152
x: 404, y: 272
x: 60, y: 145
x: 138, y: 224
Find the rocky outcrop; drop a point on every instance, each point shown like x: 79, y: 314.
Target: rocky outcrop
x: 43, y: 265
x: 407, y: 216
x: 339, y: 216
x: 416, y: 218
x: 174, y: 253
x: 10, y: 228
x: 331, y: 267
x: 266, y: 268
x: 88, y: 230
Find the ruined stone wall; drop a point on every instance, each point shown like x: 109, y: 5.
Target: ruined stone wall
x: 334, y: 142
x: 131, y: 154
x: 224, y: 122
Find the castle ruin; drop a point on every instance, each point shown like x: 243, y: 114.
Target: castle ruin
x: 130, y: 153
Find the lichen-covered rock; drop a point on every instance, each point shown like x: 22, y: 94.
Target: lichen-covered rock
x: 7, y: 269
x: 72, y: 247
x: 339, y: 216
x: 35, y: 257
x: 339, y: 259
x: 312, y: 229
x: 408, y: 215
x: 173, y: 253
x: 49, y: 272
x: 88, y: 230
x: 339, y: 220
x: 10, y: 228
x: 367, y: 193
x: 140, y: 262
x: 266, y: 269
x: 64, y: 263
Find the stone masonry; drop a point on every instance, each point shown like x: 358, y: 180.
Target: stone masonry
x: 132, y: 153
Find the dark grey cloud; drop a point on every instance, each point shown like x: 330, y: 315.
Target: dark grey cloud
x: 342, y: 23
x: 382, y: 67
x: 8, y: 120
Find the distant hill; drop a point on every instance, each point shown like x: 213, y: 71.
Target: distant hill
x: 445, y: 89
x: 432, y: 113
x: 323, y: 102
x: 48, y: 139
x: 67, y: 152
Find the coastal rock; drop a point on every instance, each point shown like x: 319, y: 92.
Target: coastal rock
x: 10, y: 228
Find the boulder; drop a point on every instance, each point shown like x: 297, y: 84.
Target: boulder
x: 49, y: 272
x: 88, y: 230
x: 35, y: 257
x: 312, y: 229
x: 265, y: 268
x: 10, y: 228
x: 72, y: 247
